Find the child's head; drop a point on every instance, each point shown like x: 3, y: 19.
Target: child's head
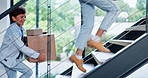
x: 18, y: 16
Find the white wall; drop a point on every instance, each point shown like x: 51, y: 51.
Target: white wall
x: 5, y: 22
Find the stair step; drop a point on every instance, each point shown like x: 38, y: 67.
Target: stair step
x: 124, y: 61
x: 62, y: 76
x: 76, y: 73
x: 137, y: 28
x: 101, y: 57
x: 121, y: 42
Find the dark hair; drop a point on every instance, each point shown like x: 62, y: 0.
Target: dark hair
x: 18, y: 11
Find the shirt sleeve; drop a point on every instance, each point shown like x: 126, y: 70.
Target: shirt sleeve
x: 18, y: 43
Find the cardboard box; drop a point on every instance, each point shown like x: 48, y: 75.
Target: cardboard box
x: 44, y: 44
x: 34, y: 32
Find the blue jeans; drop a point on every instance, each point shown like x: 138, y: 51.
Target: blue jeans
x: 88, y: 14
x: 20, y: 67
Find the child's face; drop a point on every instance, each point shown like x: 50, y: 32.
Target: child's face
x: 20, y: 19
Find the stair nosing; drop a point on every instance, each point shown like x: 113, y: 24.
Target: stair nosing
x: 121, y: 42
x: 137, y: 28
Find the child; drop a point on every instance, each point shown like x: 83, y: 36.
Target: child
x: 13, y: 48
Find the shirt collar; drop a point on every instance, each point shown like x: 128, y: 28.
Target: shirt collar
x: 19, y: 27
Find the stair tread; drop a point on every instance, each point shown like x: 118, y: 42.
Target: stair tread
x: 101, y: 57
x: 124, y: 41
x: 62, y: 76
x: 121, y: 42
x: 76, y: 73
x: 137, y: 28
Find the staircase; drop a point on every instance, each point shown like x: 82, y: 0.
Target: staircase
x: 129, y: 52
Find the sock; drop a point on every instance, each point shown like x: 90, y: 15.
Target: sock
x: 95, y: 38
x: 78, y: 57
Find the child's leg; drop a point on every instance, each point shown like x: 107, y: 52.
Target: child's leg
x: 3, y: 73
x: 10, y: 72
x: 24, y: 69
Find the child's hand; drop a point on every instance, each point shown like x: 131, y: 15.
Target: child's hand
x: 41, y: 57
